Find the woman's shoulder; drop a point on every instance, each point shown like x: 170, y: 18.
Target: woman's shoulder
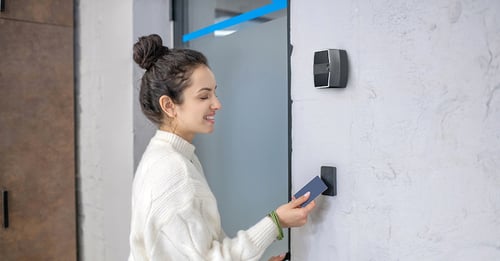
x: 162, y: 169
x: 162, y: 154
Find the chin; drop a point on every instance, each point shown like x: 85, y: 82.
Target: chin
x: 207, y: 131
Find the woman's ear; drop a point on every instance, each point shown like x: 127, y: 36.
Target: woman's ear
x: 167, y: 106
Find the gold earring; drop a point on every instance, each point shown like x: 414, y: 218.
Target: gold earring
x: 175, y: 126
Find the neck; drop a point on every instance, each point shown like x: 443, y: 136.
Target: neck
x: 188, y: 138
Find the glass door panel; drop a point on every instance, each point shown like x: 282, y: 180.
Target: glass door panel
x: 246, y: 158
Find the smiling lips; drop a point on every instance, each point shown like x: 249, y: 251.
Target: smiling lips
x: 210, y: 118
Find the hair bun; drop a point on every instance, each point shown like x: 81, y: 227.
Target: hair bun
x: 148, y: 49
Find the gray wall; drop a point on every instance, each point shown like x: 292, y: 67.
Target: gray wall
x: 149, y: 17
x: 415, y: 136
x: 112, y: 132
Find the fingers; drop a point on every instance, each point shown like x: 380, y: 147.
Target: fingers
x: 300, y: 200
x: 309, y: 206
x: 277, y: 258
x: 292, y: 214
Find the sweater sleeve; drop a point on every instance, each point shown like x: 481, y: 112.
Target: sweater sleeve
x: 189, y: 235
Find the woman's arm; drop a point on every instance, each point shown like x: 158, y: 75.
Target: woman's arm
x: 191, y: 236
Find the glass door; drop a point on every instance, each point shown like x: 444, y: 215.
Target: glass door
x: 246, y: 159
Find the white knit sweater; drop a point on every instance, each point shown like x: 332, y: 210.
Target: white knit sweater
x: 175, y: 215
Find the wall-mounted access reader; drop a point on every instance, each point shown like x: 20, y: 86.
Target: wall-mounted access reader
x: 330, y: 68
x: 329, y: 177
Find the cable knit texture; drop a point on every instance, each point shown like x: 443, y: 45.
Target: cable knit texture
x: 174, y: 212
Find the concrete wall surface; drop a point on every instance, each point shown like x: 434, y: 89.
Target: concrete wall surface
x: 104, y: 127
x: 111, y: 130
x: 415, y: 136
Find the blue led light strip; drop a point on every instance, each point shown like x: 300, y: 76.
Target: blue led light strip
x: 275, y: 5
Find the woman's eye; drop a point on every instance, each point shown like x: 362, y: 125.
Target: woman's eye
x: 204, y: 97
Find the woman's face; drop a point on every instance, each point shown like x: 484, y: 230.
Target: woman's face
x: 196, y: 114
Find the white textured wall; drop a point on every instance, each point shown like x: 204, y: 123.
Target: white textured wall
x: 415, y: 136
x: 105, y: 139
x: 112, y: 132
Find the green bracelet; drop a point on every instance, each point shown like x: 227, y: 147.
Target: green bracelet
x: 276, y: 221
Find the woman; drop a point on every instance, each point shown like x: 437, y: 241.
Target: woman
x: 174, y: 213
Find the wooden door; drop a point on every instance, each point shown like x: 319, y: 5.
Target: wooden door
x: 37, y: 148
x: 55, y: 12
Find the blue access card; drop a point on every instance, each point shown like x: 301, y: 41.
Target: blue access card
x: 316, y: 186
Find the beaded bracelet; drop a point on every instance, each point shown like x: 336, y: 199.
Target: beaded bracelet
x: 276, y: 221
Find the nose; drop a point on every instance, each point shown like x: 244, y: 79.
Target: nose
x: 216, y: 105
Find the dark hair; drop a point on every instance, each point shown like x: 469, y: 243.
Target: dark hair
x: 167, y: 73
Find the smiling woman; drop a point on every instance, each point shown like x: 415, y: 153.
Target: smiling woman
x: 174, y: 212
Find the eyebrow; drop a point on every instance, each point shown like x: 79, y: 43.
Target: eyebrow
x: 207, y: 89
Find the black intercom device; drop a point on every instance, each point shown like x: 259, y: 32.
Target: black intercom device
x: 330, y: 68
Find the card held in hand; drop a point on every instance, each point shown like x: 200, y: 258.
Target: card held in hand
x: 316, y: 186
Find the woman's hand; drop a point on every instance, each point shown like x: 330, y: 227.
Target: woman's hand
x: 277, y: 258
x: 292, y: 215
